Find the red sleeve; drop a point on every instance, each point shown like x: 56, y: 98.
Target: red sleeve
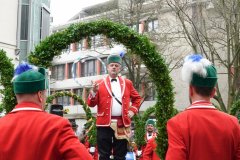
x: 69, y: 146
x: 135, y: 99
x: 86, y: 143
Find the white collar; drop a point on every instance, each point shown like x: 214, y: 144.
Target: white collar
x: 26, y: 109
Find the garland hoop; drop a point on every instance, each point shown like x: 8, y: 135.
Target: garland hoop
x: 139, y: 44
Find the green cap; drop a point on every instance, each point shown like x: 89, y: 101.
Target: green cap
x: 114, y: 58
x: 30, y: 81
x: 209, y: 81
x: 150, y: 121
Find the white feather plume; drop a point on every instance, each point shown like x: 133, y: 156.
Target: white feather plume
x: 118, y: 50
x: 194, y: 64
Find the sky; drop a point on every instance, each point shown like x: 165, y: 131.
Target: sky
x: 63, y: 10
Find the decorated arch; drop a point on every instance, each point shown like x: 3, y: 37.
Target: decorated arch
x: 139, y: 44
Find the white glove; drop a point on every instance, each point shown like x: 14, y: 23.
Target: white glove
x: 130, y: 114
x: 139, y: 152
x: 92, y: 149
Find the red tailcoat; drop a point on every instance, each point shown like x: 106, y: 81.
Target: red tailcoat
x: 29, y: 133
x: 150, y: 150
x: 103, y: 99
x: 201, y: 132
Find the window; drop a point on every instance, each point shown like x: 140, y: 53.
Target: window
x: 58, y: 72
x: 78, y: 92
x: 59, y: 100
x: 67, y: 49
x: 88, y: 68
x: 151, y: 92
x: 97, y: 41
x: 79, y: 45
x: 70, y: 73
x: 64, y: 100
x: 102, y: 67
x: 152, y: 25
x: 45, y: 23
x: 24, y: 21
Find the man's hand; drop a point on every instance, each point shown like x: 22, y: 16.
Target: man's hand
x: 95, y: 86
x: 130, y: 114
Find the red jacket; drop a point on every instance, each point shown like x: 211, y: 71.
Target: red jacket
x: 144, y: 146
x: 29, y: 133
x: 149, y: 152
x: 103, y: 99
x: 201, y: 132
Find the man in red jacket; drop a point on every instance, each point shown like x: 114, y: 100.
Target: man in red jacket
x: 202, y: 132
x: 28, y: 132
x: 117, y: 101
x: 150, y: 133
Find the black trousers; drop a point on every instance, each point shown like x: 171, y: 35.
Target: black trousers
x: 108, y: 144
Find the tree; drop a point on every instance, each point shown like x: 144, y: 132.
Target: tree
x: 212, y: 28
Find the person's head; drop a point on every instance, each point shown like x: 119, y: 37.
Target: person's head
x: 201, y: 76
x: 150, y: 125
x: 114, y: 61
x: 30, y: 84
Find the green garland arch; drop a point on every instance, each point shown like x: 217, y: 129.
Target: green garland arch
x: 90, y: 119
x: 6, y: 72
x: 139, y: 44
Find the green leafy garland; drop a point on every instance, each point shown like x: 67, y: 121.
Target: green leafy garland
x: 90, y: 119
x: 235, y: 109
x: 139, y: 44
x: 6, y: 72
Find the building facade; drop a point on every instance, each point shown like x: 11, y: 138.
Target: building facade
x: 24, y: 23
x: 34, y: 24
x: 9, y: 28
x: 153, y: 18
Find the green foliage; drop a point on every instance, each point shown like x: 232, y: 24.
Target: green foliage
x: 235, y: 109
x: 139, y: 44
x: 1, y: 107
x: 90, y: 119
x: 6, y: 72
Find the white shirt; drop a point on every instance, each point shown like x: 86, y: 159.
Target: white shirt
x: 116, y: 89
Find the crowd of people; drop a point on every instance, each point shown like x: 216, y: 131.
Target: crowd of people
x: 201, y: 132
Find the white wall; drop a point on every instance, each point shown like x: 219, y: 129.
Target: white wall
x: 8, y: 29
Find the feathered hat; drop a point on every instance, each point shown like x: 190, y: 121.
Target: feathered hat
x: 116, y: 55
x: 199, y: 71
x: 29, y: 79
